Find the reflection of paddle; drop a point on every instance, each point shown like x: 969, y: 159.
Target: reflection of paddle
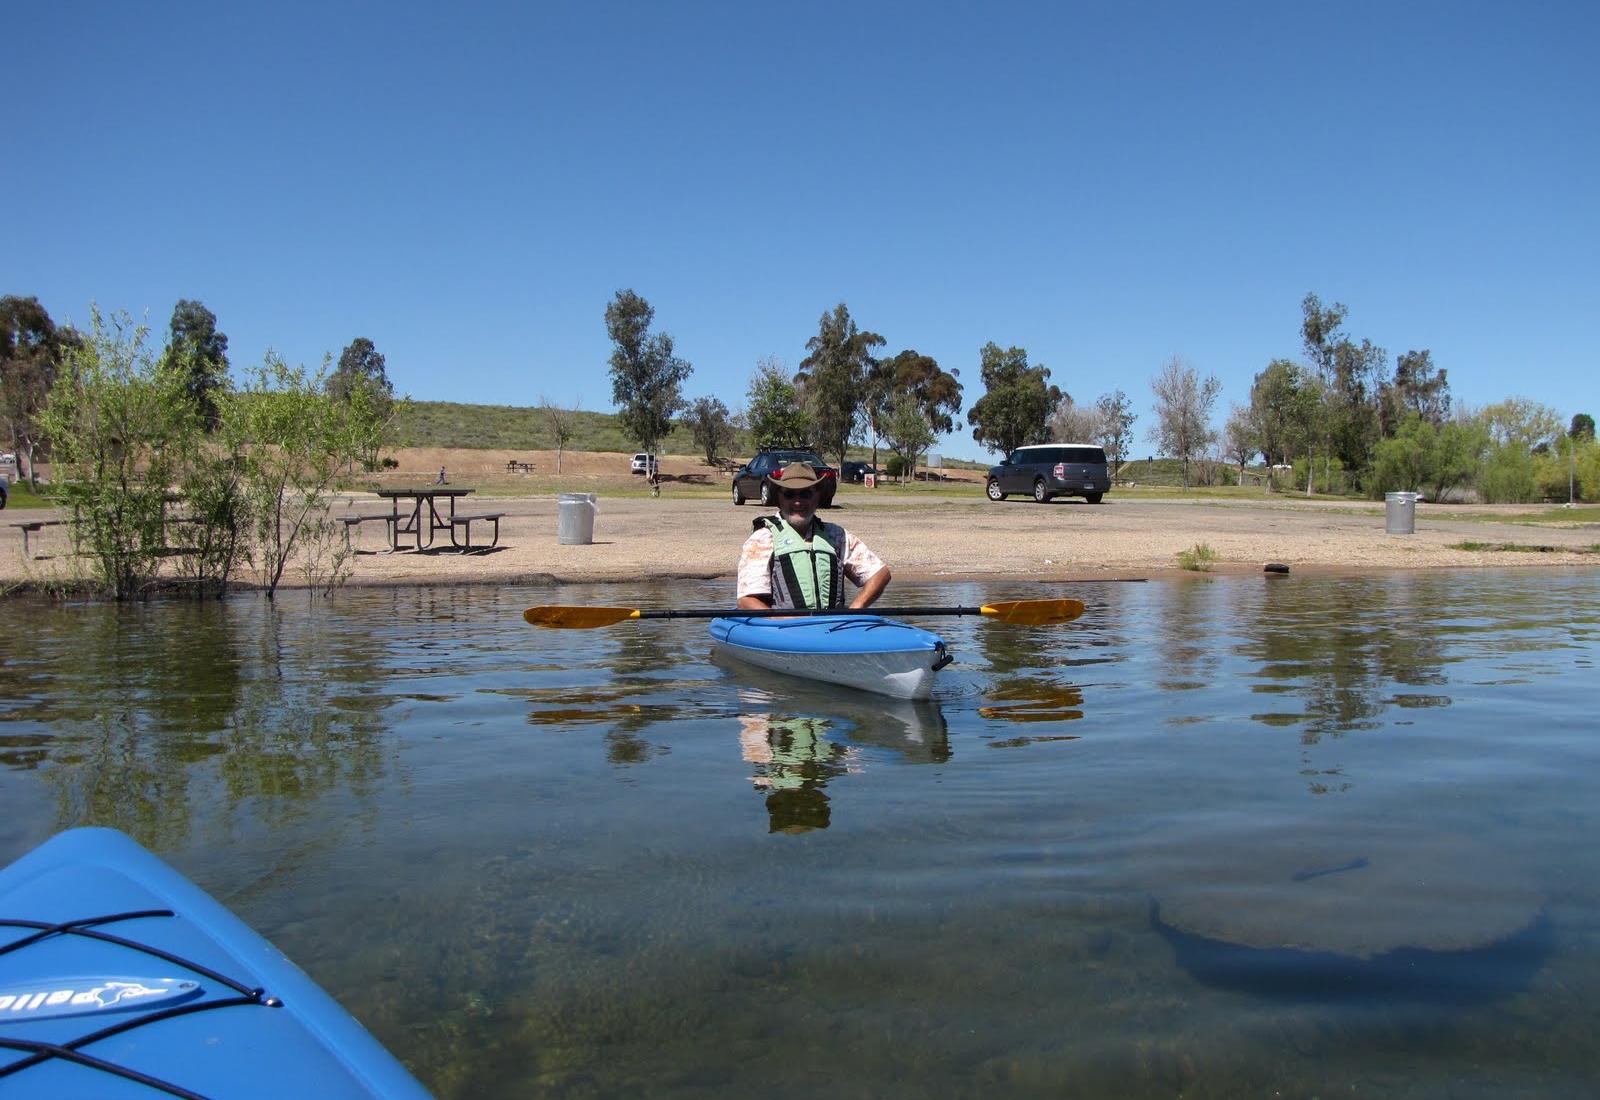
x: 1022, y: 612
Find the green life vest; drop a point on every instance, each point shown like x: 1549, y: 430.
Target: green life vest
x: 804, y: 574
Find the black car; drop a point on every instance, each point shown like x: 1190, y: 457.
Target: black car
x: 1052, y: 470
x: 856, y: 472
x: 750, y: 482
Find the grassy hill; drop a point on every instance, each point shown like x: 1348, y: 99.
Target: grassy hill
x: 508, y: 427
x: 448, y: 424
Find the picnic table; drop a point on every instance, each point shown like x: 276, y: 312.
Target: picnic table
x: 32, y: 526
x: 515, y: 467
x: 421, y: 517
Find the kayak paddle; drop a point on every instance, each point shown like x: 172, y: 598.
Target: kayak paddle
x: 1024, y: 612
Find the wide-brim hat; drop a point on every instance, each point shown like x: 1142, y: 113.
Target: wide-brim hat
x: 796, y: 475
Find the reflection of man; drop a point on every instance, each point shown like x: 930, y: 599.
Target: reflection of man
x: 796, y: 761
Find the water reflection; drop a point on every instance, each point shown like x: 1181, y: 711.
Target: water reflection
x: 794, y: 760
x: 1033, y: 700
x: 796, y: 750
x: 151, y: 719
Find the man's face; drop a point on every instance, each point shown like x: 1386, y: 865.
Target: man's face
x: 798, y: 505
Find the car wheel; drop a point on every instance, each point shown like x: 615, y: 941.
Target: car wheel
x: 994, y: 490
x: 1040, y: 493
x: 738, y: 497
x: 1093, y: 498
x: 766, y: 493
x: 826, y: 502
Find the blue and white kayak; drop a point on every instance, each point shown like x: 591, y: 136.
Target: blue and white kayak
x: 119, y: 978
x: 867, y: 652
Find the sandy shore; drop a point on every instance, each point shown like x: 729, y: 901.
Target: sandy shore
x: 924, y: 536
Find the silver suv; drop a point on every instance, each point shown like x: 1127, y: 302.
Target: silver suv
x: 1052, y: 470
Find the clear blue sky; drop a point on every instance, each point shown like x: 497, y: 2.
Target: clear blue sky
x: 1106, y: 185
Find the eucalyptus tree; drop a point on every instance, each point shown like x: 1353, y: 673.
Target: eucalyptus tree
x: 646, y: 378
x: 833, y: 378
x: 773, y: 411
x: 1183, y: 412
x: 1418, y: 387
x: 710, y: 426
x: 362, y: 371
x: 1116, y: 427
x: 198, y: 355
x: 910, y: 376
x: 1349, y: 372
x: 1582, y: 427
x: 1017, y: 403
x: 361, y: 366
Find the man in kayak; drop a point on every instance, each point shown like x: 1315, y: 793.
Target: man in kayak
x: 794, y: 559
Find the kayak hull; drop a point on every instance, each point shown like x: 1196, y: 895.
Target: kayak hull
x: 865, y: 652
x: 196, y: 999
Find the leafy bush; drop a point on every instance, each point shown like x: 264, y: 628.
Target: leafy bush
x: 1508, y: 476
x: 120, y: 426
x: 1329, y: 474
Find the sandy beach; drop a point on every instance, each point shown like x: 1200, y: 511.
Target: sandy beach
x: 949, y: 533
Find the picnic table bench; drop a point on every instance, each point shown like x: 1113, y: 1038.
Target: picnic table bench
x: 356, y: 521
x: 33, y: 526
x: 465, y: 523
x: 515, y: 467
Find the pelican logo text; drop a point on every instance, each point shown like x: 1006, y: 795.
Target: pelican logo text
x: 77, y: 996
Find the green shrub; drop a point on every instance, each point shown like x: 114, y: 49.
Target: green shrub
x: 1197, y: 558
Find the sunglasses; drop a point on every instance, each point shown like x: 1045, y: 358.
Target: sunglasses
x: 796, y: 494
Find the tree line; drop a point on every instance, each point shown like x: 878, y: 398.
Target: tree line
x: 1337, y: 420
x: 161, y: 456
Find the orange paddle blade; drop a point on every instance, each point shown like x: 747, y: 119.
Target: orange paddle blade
x: 579, y: 618
x: 1034, y: 612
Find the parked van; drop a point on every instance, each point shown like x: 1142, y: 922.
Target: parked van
x: 1050, y: 470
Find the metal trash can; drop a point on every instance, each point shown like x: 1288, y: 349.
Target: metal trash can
x: 576, y: 518
x: 1400, y: 513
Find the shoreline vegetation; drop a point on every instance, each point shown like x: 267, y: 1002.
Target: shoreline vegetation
x: 942, y: 530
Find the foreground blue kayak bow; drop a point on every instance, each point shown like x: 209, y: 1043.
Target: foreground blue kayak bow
x: 121, y: 978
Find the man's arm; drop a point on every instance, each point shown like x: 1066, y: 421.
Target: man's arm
x: 872, y: 589
x: 754, y: 590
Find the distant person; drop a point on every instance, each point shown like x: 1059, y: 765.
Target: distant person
x: 440, y: 480
x: 794, y: 559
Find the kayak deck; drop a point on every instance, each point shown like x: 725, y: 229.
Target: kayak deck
x: 866, y: 652
x: 120, y: 978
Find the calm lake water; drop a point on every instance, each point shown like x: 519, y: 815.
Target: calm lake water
x: 1252, y: 836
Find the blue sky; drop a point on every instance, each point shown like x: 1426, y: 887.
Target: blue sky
x: 1106, y: 185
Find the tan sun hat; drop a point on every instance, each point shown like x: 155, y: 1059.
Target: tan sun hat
x: 796, y: 475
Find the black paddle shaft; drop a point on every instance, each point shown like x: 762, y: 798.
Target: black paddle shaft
x: 795, y: 612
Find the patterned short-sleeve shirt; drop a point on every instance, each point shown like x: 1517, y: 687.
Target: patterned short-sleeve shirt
x: 755, y: 559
